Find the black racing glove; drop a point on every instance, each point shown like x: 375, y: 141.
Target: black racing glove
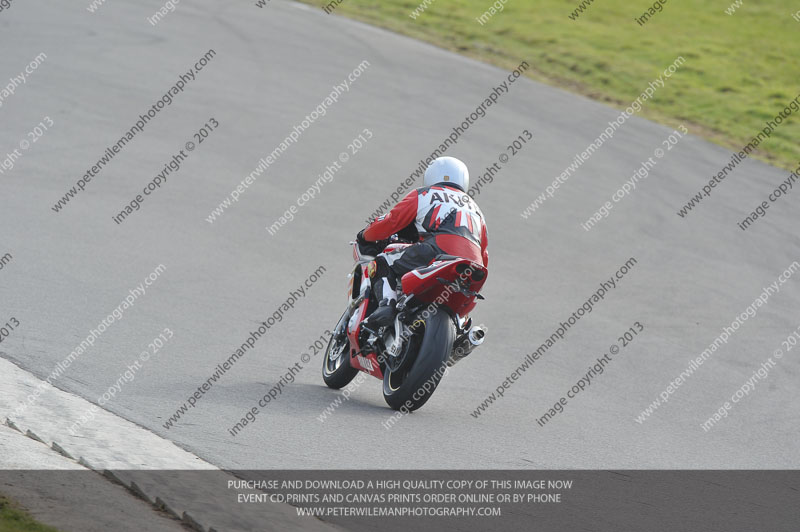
x: 365, y: 247
x: 369, y: 248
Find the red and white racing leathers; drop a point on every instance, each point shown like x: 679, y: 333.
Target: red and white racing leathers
x: 444, y: 216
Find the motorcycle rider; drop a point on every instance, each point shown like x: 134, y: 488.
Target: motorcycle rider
x: 440, y: 217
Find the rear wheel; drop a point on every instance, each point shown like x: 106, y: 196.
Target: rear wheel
x: 413, y: 381
x: 336, y: 369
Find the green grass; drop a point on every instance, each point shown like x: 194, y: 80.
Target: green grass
x: 14, y: 519
x: 740, y: 69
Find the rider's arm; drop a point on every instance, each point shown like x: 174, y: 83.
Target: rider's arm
x: 399, y: 217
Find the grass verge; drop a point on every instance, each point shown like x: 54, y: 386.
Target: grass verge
x: 741, y: 69
x: 15, y: 519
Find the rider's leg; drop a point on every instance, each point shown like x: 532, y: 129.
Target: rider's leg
x: 384, y: 286
x: 384, y: 281
x: 386, y: 273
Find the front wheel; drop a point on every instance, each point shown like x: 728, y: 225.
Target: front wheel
x: 410, y: 385
x: 336, y: 369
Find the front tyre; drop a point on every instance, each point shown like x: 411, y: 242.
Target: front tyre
x: 336, y: 369
x: 411, y: 385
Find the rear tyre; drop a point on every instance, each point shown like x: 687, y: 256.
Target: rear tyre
x: 336, y: 369
x: 411, y: 385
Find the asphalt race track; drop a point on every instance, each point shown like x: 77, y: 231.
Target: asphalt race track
x: 271, y: 68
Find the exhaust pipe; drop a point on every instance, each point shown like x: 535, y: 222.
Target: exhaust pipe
x: 477, y: 335
x: 466, y: 343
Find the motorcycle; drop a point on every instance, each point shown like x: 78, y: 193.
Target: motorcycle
x: 431, y: 332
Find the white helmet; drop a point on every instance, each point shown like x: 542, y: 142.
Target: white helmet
x: 447, y: 170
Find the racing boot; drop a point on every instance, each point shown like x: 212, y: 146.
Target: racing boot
x: 384, y: 315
